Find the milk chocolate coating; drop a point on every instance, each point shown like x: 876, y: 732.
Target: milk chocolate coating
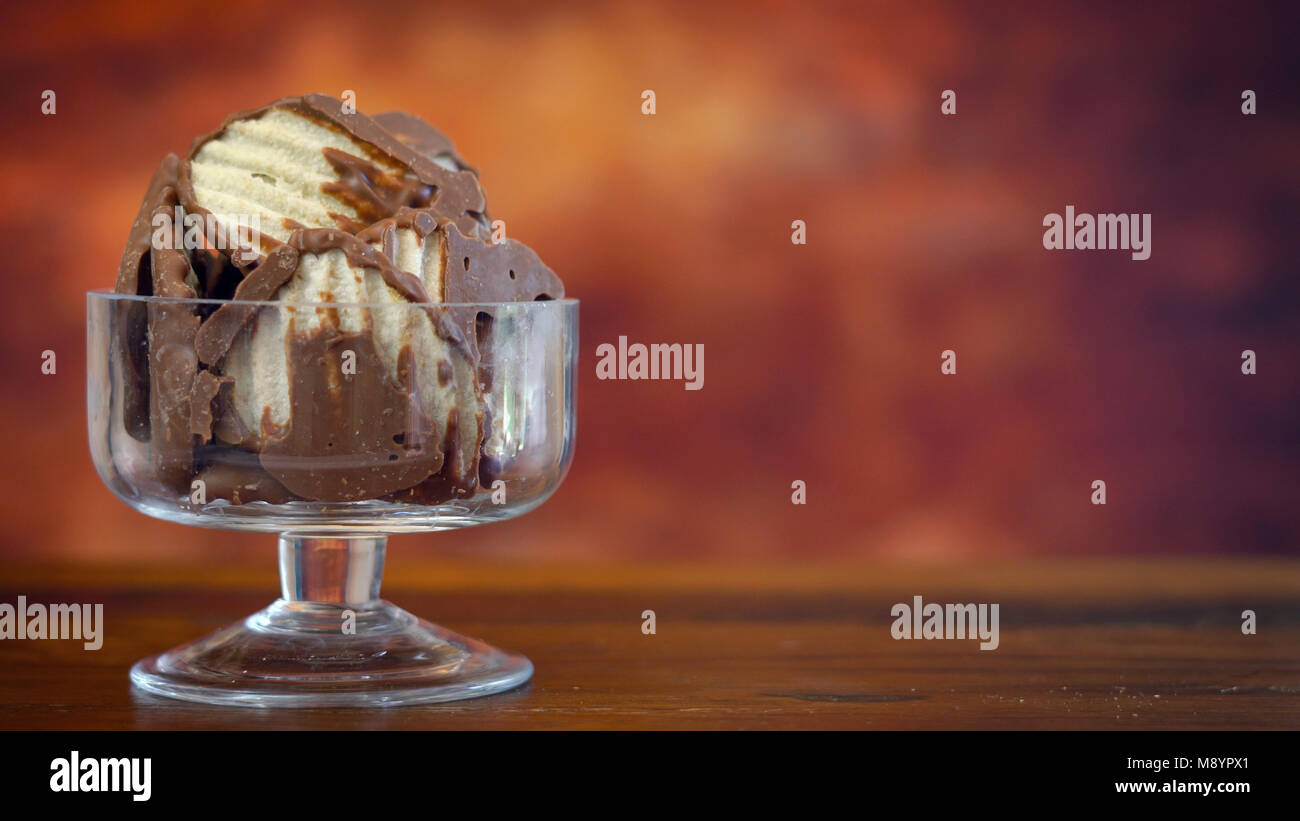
x: 489, y: 469
x: 422, y: 137
x: 207, y: 386
x: 218, y: 275
x: 341, y: 439
x: 478, y: 271
x: 474, y: 271
x: 173, y: 364
x: 227, y: 426
x: 133, y: 273
x: 374, y: 193
x: 423, y: 223
x: 237, y: 476
x: 384, y: 232
x: 458, y: 478
x: 458, y: 196
x: 219, y: 330
x: 134, y: 277
x: 350, y: 436
x: 507, y: 271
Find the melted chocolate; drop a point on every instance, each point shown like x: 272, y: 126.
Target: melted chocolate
x: 173, y: 366
x: 457, y: 479
x: 480, y: 271
x: 359, y: 255
x: 476, y: 271
x: 134, y: 277
x: 237, y: 476
x: 489, y: 469
x: 384, y: 232
x: 459, y: 195
x: 422, y: 138
x: 173, y: 363
x: 205, y: 389
x: 371, y: 191
x: 227, y: 425
x: 351, y: 436
x: 219, y: 330
x: 219, y: 277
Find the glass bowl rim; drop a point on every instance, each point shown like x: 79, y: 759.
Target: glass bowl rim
x: 105, y: 294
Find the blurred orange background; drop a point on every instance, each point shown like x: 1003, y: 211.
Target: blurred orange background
x: 822, y: 360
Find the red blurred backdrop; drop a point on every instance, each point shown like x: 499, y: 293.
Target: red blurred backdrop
x: 822, y: 360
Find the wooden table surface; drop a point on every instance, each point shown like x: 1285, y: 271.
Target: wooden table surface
x: 1085, y: 644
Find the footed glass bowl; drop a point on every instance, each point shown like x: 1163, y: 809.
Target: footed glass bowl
x: 333, y: 426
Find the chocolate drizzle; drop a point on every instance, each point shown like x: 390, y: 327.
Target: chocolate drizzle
x: 459, y: 195
x: 359, y: 255
x: 219, y: 331
x: 384, y: 232
x: 473, y: 270
x: 371, y: 191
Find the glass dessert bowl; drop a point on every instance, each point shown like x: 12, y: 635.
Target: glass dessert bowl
x: 332, y: 425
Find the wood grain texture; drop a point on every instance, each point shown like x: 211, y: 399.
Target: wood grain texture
x: 1107, y: 644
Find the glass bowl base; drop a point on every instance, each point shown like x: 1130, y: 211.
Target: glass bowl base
x: 314, y: 654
